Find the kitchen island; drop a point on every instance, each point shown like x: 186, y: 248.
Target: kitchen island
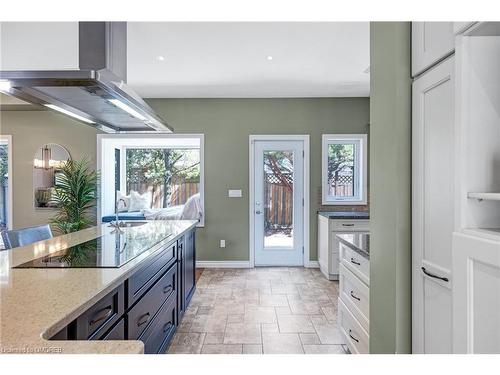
x: 131, y: 307
x: 354, y: 291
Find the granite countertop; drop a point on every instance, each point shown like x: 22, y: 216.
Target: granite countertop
x: 345, y: 214
x: 35, y: 303
x: 359, y: 242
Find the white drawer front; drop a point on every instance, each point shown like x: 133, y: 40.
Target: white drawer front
x: 358, y: 264
x: 356, y: 296
x: 356, y: 337
x: 350, y: 225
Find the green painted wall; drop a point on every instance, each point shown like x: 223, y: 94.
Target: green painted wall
x: 390, y: 188
x: 31, y: 130
x: 227, y: 123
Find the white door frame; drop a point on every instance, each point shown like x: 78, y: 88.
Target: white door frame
x: 251, y: 143
x: 10, y: 213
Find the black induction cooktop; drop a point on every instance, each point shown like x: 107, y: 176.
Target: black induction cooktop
x: 107, y: 251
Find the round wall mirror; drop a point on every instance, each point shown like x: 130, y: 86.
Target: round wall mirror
x: 47, y: 164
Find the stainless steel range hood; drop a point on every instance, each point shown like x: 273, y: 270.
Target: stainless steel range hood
x: 95, y: 94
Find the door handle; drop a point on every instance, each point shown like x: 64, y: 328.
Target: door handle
x: 354, y: 262
x: 258, y: 212
x: 352, y: 337
x: 434, y: 276
x: 168, y: 289
x: 143, y: 319
x: 354, y: 296
x: 99, y: 316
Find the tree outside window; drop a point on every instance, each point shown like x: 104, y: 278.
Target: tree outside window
x: 171, y: 175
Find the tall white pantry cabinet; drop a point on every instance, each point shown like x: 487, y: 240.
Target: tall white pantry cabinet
x: 456, y: 187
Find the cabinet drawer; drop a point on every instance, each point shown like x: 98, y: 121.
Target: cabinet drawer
x: 350, y: 225
x: 356, y: 263
x: 117, y: 332
x: 142, y: 280
x: 143, y: 313
x: 356, y: 337
x: 356, y: 296
x: 158, y: 335
x: 100, y: 317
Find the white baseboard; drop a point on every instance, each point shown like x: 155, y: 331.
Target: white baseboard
x: 223, y: 264
x: 312, y: 264
x: 239, y: 264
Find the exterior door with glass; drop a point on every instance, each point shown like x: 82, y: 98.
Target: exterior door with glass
x: 278, y: 207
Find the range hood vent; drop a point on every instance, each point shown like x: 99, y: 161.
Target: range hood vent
x: 97, y: 93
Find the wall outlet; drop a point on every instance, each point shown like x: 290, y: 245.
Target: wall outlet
x: 222, y: 243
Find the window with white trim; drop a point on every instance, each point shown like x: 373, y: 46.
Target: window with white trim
x: 344, y: 169
x: 160, y: 175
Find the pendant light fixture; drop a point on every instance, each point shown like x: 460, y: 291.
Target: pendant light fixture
x: 46, y: 156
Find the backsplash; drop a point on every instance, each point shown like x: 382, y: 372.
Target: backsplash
x: 344, y: 208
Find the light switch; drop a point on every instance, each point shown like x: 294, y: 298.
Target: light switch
x: 234, y: 193
x: 222, y: 243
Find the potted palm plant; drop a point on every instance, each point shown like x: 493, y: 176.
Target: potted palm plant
x: 75, y: 196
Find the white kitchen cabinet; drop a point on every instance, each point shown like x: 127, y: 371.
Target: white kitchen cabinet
x: 431, y: 42
x: 476, y: 294
x: 356, y: 296
x: 433, y: 213
x: 354, y: 292
x: 357, y: 339
x: 476, y: 241
x: 39, y: 46
x: 460, y: 27
x: 328, y: 245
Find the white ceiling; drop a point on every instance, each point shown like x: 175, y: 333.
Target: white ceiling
x: 208, y: 60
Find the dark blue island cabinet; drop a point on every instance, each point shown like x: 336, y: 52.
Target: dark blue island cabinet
x: 148, y: 306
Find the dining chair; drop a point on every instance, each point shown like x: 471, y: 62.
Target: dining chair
x: 25, y: 236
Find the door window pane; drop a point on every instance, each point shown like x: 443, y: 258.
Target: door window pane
x: 278, y: 199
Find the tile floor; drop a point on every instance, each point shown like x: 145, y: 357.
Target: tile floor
x: 261, y: 310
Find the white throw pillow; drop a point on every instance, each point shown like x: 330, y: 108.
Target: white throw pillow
x: 122, y: 201
x: 139, y: 201
x: 192, y: 209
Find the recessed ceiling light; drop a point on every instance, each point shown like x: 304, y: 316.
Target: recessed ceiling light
x: 269, y: 57
x: 161, y: 58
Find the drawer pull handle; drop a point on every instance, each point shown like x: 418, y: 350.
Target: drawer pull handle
x: 101, y: 315
x: 166, y: 327
x: 167, y: 289
x: 352, y: 337
x: 434, y: 276
x: 354, y: 296
x: 143, y: 319
x: 347, y: 225
x: 356, y: 263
